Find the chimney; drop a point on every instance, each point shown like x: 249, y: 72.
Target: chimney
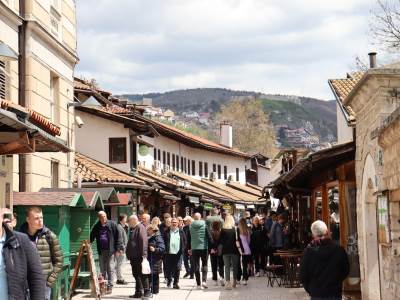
x: 226, y: 134
x: 372, y: 60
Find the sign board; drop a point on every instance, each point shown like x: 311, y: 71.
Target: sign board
x: 240, y: 206
x: 251, y: 206
x: 208, y: 206
x: 194, y: 200
x: 383, y: 219
x: 92, y: 268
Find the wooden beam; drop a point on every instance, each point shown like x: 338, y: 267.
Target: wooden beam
x: 21, y: 145
x: 325, y: 204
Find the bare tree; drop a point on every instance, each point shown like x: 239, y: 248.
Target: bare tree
x: 385, y: 24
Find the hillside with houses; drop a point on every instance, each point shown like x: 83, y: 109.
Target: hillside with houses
x: 298, y: 121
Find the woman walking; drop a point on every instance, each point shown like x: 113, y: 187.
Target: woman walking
x: 217, y: 263
x: 244, y: 241
x: 258, y: 244
x: 230, y: 252
x: 156, y: 251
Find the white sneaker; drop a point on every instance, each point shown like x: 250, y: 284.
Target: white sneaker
x: 221, y: 281
x: 257, y: 274
x: 204, y: 285
x: 228, y: 285
x: 215, y: 282
x: 244, y: 282
x: 198, y: 287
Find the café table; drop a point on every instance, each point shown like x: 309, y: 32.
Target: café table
x: 290, y: 261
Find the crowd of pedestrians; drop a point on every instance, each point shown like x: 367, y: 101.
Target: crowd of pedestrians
x: 237, y: 248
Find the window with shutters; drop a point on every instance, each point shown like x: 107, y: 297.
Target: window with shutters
x: 237, y: 174
x: 214, y: 168
x: 188, y: 169
x: 155, y: 154
x: 200, y: 168
x: 193, y: 168
x: 168, y: 159
x: 164, y: 159
x: 177, y: 162
x: 225, y: 172
x: 3, y: 80
x: 219, y: 171
x: 206, y: 170
x: 117, y: 150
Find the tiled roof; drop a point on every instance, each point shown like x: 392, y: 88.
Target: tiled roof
x: 33, y: 116
x: 245, y: 188
x: 115, y: 109
x: 91, y: 198
x: 191, y: 139
x: 82, y: 84
x: 91, y: 170
x: 43, y: 198
x: 343, y: 87
x: 124, y: 199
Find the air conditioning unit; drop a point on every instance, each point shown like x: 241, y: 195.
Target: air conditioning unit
x: 166, y: 169
x: 213, y: 176
x: 157, y: 166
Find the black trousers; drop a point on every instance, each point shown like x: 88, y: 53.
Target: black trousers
x: 172, y: 267
x: 154, y: 279
x: 246, y: 260
x: 197, y: 256
x: 259, y: 259
x: 188, y: 262
x: 142, y: 281
x: 217, y: 266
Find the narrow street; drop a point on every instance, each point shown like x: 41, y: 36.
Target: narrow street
x: 256, y: 289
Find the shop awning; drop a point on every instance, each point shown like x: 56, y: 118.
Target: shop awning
x: 18, y: 135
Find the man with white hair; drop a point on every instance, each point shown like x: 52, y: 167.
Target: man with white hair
x: 324, y: 265
x: 145, y: 220
x: 136, y: 251
x: 199, y: 238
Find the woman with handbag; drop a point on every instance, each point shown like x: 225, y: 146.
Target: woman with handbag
x: 156, y: 252
x: 217, y: 263
x: 230, y: 252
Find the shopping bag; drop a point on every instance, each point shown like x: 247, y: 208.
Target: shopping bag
x: 146, y: 267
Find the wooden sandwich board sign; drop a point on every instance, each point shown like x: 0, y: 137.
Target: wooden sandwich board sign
x: 92, y: 268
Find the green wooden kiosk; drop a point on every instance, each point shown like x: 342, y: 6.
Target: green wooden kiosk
x: 59, y: 209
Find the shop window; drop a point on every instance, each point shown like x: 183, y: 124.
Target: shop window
x: 117, y: 150
x: 200, y: 168
x: 193, y: 168
x: 219, y: 171
x: 54, y: 173
x: 214, y: 168
x: 206, y: 169
x: 173, y: 162
x: 225, y: 172
x: 237, y: 174
x: 318, y: 205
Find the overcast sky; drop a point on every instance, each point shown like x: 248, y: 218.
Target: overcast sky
x: 271, y: 46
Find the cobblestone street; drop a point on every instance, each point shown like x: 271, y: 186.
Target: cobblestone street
x: 256, y: 289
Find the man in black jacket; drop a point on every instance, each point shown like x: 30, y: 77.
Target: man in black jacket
x: 136, y: 250
x: 21, y: 274
x: 324, y: 265
x: 175, y: 245
x: 108, y: 243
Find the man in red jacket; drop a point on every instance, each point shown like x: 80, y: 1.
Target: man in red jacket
x: 136, y: 251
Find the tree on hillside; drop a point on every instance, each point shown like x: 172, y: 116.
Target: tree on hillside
x: 252, y: 129
x: 385, y: 24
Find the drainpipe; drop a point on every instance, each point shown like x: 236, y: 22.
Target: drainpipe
x: 21, y: 87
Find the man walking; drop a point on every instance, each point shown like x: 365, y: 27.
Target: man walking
x: 108, y: 242
x: 136, y: 250
x: 324, y: 265
x: 145, y: 220
x: 119, y: 259
x: 19, y: 266
x: 187, y: 259
x: 47, y: 245
x: 198, y: 240
x: 175, y: 244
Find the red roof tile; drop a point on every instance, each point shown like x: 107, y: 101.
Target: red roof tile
x: 91, y: 170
